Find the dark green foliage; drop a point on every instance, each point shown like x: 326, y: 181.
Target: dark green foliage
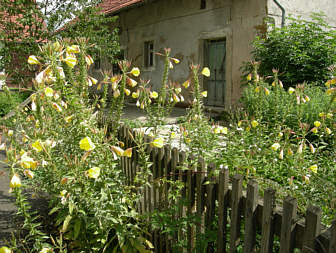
x: 301, y: 51
x: 6, y: 105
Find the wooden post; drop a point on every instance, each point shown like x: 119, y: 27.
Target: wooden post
x: 312, y: 228
x: 167, y: 165
x: 267, y: 233
x: 235, y: 212
x: 332, y: 243
x: 250, y: 217
x: 200, y: 199
x: 288, y: 225
x: 223, y: 204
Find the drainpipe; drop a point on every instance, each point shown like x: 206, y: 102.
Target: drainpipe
x: 283, y: 15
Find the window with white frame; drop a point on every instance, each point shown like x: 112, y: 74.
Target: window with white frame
x: 149, y: 54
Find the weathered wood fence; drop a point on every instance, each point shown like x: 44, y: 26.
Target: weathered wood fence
x: 243, y: 219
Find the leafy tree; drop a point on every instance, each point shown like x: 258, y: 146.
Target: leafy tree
x: 301, y: 51
x: 25, y: 22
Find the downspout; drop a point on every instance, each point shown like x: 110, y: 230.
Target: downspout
x: 283, y: 11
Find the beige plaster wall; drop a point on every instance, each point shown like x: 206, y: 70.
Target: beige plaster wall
x: 304, y: 8
x: 182, y: 26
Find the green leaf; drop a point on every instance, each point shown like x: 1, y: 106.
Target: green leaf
x: 66, y: 223
x: 77, y: 227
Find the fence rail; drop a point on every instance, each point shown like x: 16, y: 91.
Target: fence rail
x: 244, y: 219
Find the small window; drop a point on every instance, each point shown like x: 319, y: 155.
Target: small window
x: 149, y: 54
x: 203, y: 4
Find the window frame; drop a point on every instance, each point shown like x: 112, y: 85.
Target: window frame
x: 149, y: 54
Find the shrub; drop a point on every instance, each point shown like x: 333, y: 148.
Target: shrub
x: 302, y: 51
x: 6, y: 105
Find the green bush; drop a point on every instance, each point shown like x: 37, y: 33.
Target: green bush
x: 302, y: 51
x: 6, y: 105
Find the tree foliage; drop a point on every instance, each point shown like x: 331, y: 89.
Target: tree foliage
x: 25, y: 22
x: 301, y: 51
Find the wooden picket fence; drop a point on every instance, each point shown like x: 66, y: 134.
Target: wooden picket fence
x: 243, y: 218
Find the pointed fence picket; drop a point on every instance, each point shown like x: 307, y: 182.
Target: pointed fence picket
x: 238, y: 216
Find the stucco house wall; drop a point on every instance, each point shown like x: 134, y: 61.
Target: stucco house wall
x: 183, y: 26
x: 303, y: 8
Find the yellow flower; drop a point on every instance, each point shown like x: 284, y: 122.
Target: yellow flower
x: 330, y: 91
x: 307, y: 99
x: 267, y: 92
x: 274, y: 84
x: 176, y: 61
x: 33, y: 60
x: 186, y: 84
x: 63, y: 192
x: 93, y: 172
x: 27, y: 162
x: 74, y: 49
x: 154, y: 94
x: 132, y: 83
x: 204, y: 94
x: 328, y: 83
x: 127, y: 92
x: 176, y: 98
x: 71, y: 61
x: 158, y: 142
x: 328, y: 131
x: 254, y: 123
x: 306, y: 179
x: 178, y: 90
x: 290, y: 152
x: 10, y: 133
x: 280, y: 134
x: 135, y: 72
x: 257, y: 89
x: 314, y: 130
x: 317, y: 123
x: 300, y: 148
x: 28, y: 173
x: 312, y: 148
x: 313, y: 168
x: 329, y: 115
x: 88, y: 60
x: 128, y: 152
x: 291, y: 90
x: 116, y: 93
x: 45, y: 250
x: 92, y: 81
x: 56, y: 107
x: 172, y: 135
x: 249, y: 77
x: 119, y: 151
x: 206, y: 72
x: 275, y: 146
x: 321, y: 114
x: 5, y: 249
x: 49, y: 92
x: 68, y: 118
x: 15, y: 181
x: 37, y: 146
x: 220, y: 130
x: 281, y: 155
x: 86, y: 144
x: 136, y: 94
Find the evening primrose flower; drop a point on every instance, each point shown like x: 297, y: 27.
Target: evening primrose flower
x: 88, y: 60
x: 128, y: 152
x: 275, y: 146
x: 290, y: 152
x: 93, y: 172
x: 322, y: 114
x: 176, y: 98
x: 5, y: 249
x: 154, y: 94
x: 74, y: 49
x: 116, y: 93
x: 135, y: 72
x: 204, y: 94
x: 158, y: 142
x: 56, y: 107
x: 175, y: 60
x: 49, y: 92
x: 314, y: 130
x: 306, y: 179
x: 127, y: 92
x: 291, y: 90
x: 186, y: 84
x: 136, y: 94
x: 27, y: 162
x: 28, y: 173
x: 45, y: 250
x: 132, y: 83
x: 312, y: 148
x: 220, y: 130
x: 328, y: 131
x: 267, y: 92
x: 119, y: 151
x: 300, y: 148
x: 68, y: 118
x: 313, y: 168
x: 92, y: 81
x: 317, y: 123
x: 15, y: 182
x: 206, y: 72
x: 86, y: 144
x: 10, y: 133
x: 281, y: 155
x: 249, y: 77
x: 37, y: 146
x: 257, y: 89
x: 32, y: 60
x: 254, y: 123
x: 329, y: 115
x: 71, y: 61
